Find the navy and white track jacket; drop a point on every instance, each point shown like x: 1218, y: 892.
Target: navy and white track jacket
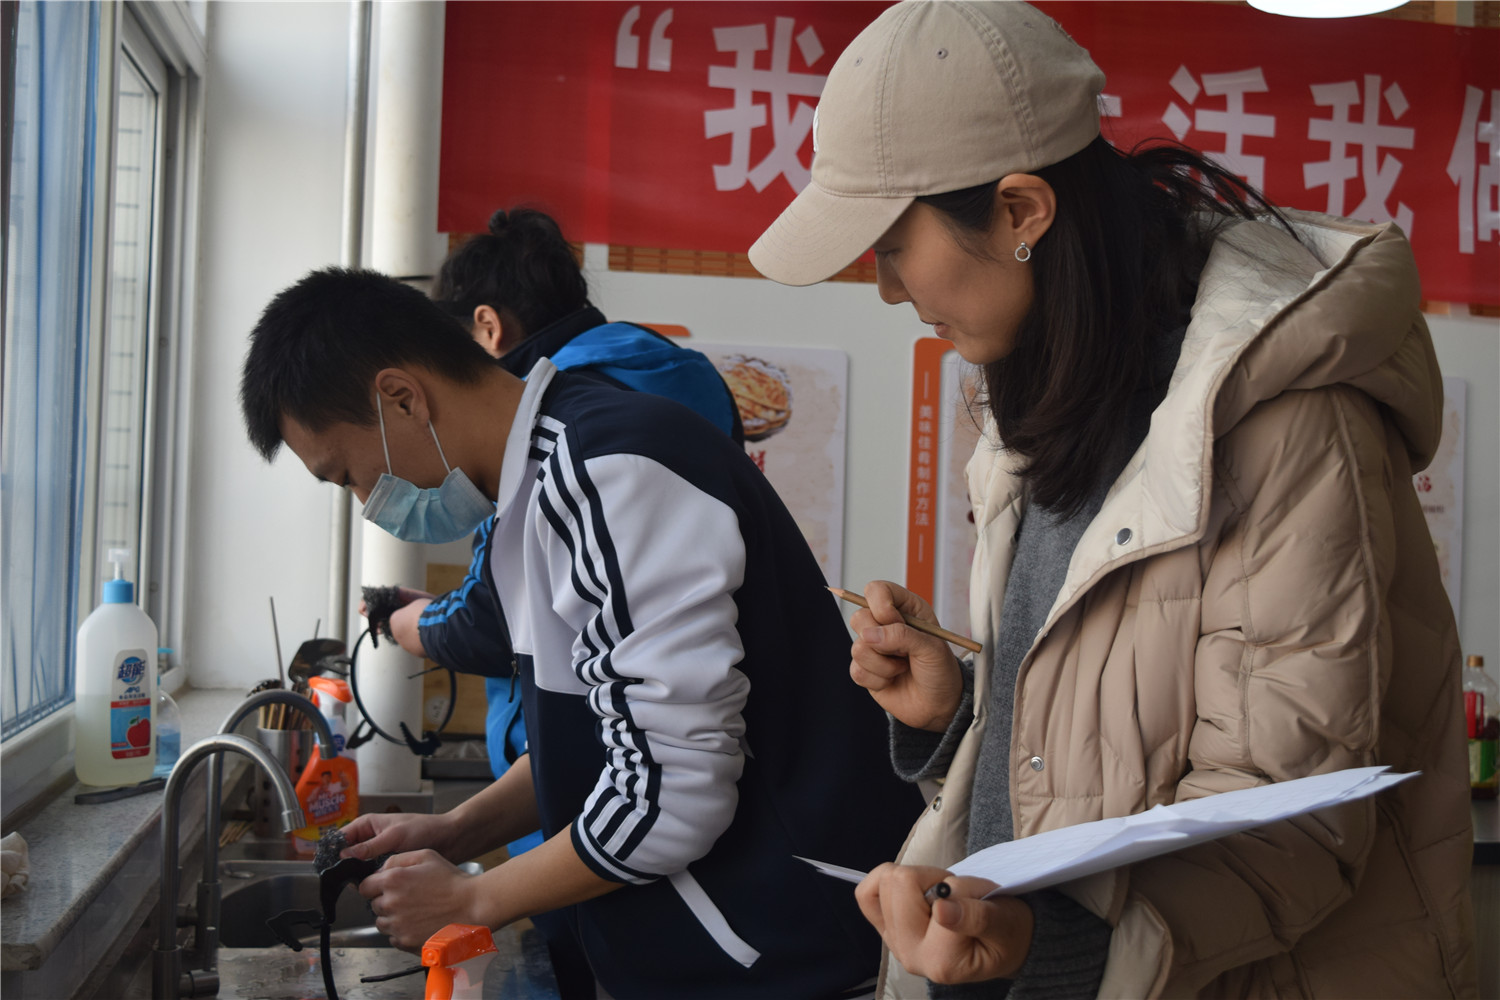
x: 459, y: 629
x: 685, y: 681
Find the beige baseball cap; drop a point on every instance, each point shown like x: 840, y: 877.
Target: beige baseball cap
x: 933, y: 96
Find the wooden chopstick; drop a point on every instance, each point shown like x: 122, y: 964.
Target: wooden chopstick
x: 916, y: 623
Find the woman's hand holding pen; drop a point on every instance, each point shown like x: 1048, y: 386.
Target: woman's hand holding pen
x: 960, y: 937
x: 913, y: 676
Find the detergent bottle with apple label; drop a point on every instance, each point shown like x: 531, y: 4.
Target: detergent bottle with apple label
x: 115, y: 687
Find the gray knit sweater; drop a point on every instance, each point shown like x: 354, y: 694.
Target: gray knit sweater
x: 1069, y: 944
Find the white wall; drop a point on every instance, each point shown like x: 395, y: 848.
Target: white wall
x: 1469, y: 348
x: 273, y: 179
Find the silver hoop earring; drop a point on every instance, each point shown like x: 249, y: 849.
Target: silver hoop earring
x: 1023, y: 253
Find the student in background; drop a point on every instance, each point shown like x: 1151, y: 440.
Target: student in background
x: 691, y: 730
x: 1200, y: 562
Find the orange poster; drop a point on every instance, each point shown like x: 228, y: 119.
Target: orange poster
x: 945, y: 428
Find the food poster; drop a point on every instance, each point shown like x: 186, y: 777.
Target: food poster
x: 1440, y: 488
x: 940, y: 521
x: 793, y: 403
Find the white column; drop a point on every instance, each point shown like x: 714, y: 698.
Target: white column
x: 403, y: 243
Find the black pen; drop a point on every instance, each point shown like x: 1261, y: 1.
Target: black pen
x: 940, y: 890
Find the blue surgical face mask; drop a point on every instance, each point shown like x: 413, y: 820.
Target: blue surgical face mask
x: 445, y: 514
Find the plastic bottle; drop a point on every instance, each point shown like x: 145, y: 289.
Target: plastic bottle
x: 1482, y: 719
x: 115, y: 688
x: 168, y: 735
x: 333, y: 696
x: 328, y: 790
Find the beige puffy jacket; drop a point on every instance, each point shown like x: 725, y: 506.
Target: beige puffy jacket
x: 1257, y: 600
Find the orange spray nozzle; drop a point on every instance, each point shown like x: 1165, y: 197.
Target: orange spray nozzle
x: 448, y: 949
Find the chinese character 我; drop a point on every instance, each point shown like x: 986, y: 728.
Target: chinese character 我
x: 789, y: 127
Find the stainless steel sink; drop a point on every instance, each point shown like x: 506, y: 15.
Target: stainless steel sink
x: 261, y: 878
x: 256, y: 889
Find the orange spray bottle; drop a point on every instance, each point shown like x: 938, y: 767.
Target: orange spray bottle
x: 456, y: 958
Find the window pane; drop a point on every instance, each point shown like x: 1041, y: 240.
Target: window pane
x: 42, y: 444
x: 127, y: 340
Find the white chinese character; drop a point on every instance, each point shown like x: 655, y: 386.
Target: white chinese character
x: 789, y: 128
x: 925, y: 411
x: 1478, y: 182
x: 1379, y: 175
x: 1234, y: 122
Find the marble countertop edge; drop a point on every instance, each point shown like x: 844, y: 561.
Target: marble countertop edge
x: 75, y: 851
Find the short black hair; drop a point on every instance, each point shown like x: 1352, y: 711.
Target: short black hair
x: 318, y: 345
x: 522, y: 268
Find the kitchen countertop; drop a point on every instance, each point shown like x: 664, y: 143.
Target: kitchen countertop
x: 75, y: 851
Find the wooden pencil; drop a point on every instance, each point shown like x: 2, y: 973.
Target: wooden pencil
x: 916, y: 623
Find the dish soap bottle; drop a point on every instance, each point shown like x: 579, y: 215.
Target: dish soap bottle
x: 328, y: 790
x: 115, y: 688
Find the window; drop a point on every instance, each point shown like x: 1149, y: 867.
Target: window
x: 48, y: 262
x: 129, y: 369
x: 102, y: 126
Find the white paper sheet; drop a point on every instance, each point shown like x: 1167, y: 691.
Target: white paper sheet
x: 1072, y: 852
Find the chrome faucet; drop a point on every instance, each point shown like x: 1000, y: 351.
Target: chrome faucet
x: 210, y: 889
x: 168, y: 981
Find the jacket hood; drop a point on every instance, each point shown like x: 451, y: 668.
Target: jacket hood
x: 1341, y: 307
x: 1336, y: 304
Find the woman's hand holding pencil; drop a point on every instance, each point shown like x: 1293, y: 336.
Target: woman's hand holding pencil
x: 914, y: 622
x: 901, y: 656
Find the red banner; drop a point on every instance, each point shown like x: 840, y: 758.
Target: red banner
x: 1368, y: 117
x: 687, y: 125
x: 683, y: 125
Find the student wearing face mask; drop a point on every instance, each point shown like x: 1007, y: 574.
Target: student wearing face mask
x: 519, y: 290
x: 1200, y: 563
x: 690, y: 726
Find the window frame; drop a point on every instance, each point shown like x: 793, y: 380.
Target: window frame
x: 39, y: 758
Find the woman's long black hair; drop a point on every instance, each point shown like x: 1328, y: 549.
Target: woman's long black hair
x: 1117, y: 269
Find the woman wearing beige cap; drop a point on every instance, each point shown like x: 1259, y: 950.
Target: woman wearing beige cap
x: 1200, y: 563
